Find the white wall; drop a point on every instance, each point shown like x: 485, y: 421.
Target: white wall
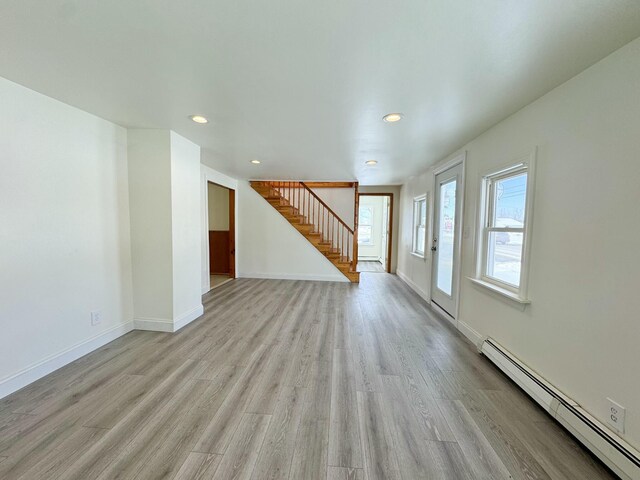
x: 374, y: 251
x: 268, y: 246
x: 413, y: 269
x: 581, y: 330
x: 64, y: 231
x: 186, y: 222
x: 218, y: 207
x: 164, y: 187
x: 340, y: 200
x: 149, y: 160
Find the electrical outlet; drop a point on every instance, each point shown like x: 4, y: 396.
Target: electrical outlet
x: 615, y: 417
x: 96, y: 318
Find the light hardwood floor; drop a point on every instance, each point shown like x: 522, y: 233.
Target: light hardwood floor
x: 288, y: 380
x: 370, y: 266
x: 217, y: 280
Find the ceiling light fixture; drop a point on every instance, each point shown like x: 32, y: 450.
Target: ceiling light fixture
x: 199, y: 119
x: 392, y: 117
x: 371, y: 162
x: 255, y: 162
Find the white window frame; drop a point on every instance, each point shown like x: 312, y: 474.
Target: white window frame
x: 370, y: 243
x: 487, y: 199
x: 415, y: 226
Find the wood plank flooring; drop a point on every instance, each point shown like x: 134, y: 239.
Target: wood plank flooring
x: 217, y: 280
x: 288, y: 380
x: 370, y: 266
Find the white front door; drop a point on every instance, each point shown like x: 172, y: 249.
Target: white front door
x: 445, y: 242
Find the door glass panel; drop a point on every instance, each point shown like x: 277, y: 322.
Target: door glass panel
x: 504, y: 257
x: 364, y: 234
x: 445, y: 244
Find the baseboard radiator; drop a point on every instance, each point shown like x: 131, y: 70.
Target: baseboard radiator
x: 617, y: 454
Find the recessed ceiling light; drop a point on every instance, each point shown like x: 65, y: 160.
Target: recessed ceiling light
x: 371, y: 162
x: 255, y: 162
x: 392, y: 117
x: 199, y: 119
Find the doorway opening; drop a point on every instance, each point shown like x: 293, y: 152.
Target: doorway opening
x: 221, y: 220
x: 375, y: 218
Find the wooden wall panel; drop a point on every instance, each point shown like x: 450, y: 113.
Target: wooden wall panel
x: 219, y: 251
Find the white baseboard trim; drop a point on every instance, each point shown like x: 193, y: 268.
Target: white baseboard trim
x: 471, y: 334
x: 413, y: 286
x: 188, y: 317
x: 287, y: 276
x: 166, y: 324
x: 153, y: 324
x: 44, y: 367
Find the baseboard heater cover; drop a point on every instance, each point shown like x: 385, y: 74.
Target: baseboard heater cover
x: 617, y: 454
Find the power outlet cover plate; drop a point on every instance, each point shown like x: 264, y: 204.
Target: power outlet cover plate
x: 96, y: 318
x: 615, y: 415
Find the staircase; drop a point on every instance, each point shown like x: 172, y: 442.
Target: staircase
x: 315, y: 221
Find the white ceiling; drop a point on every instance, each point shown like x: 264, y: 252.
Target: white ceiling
x: 302, y: 85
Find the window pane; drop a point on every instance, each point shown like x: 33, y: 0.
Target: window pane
x: 504, y: 257
x: 365, y: 216
x: 509, y: 201
x: 419, y: 221
x: 364, y: 233
x: 446, y: 225
x: 420, y: 240
x: 422, y: 212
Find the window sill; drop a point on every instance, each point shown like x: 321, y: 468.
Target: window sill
x: 501, y: 291
x: 417, y: 255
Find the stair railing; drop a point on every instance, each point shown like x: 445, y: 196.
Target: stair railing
x: 332, y: 229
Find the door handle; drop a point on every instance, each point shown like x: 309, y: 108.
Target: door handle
x: 433, y: 249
